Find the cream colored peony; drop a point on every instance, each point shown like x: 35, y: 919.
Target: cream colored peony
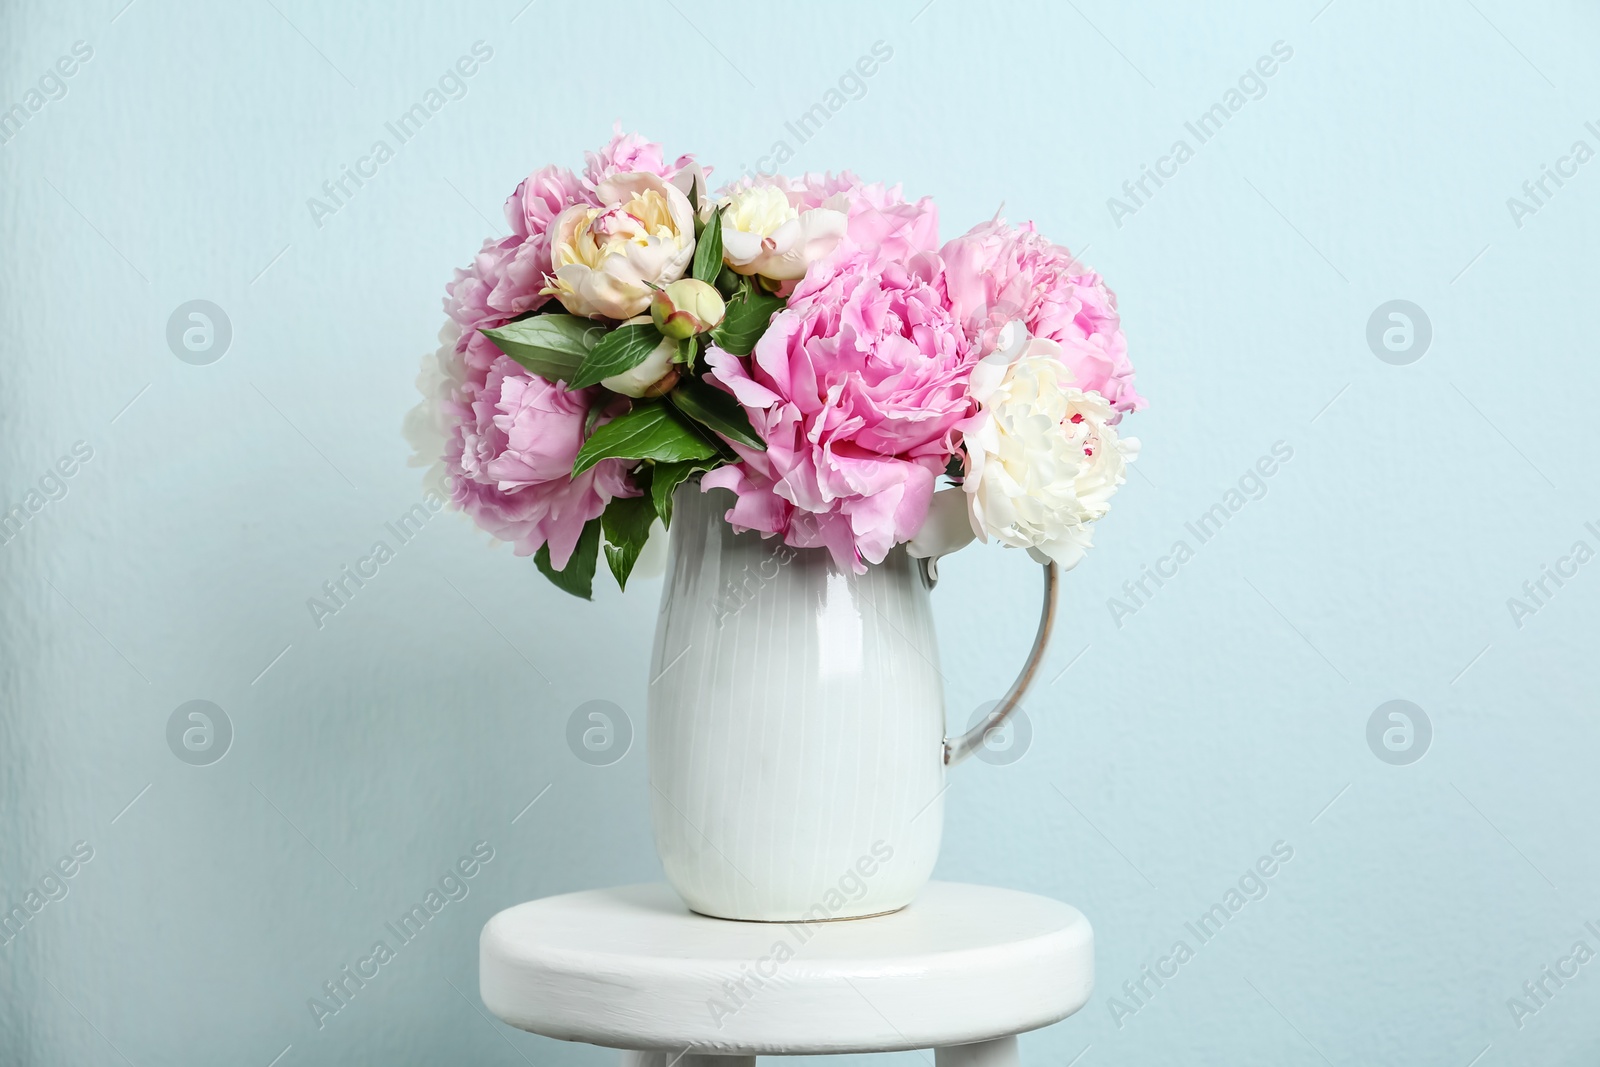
x: 605, y: 259
x: 763, y: 233
x: 1042, y: 455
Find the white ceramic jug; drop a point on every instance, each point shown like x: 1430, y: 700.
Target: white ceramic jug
x: 797, y: 729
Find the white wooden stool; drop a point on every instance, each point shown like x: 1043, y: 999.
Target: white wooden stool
x: 963, y: 970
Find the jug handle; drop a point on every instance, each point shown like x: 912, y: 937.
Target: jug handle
x: 960, y: 747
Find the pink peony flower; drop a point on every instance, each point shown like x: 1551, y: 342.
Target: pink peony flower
x: 628, y: 153
x: 531, y: 210
x: 491, y: 292
x: 467, y: 296
x: 856, y: 388
x: 512, y: 453
x: 539, y: 198
x: 996, y: 273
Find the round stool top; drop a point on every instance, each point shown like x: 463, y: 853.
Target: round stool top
x: 633, y: 968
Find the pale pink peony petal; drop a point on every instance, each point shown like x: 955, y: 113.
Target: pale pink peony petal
x: 511, y: 455
x: 996, y: 273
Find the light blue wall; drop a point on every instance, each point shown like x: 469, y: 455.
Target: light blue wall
x: 1227, y: 713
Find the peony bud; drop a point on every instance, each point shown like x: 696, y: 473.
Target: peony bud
x: 686, y: 307
x: 652, y: 377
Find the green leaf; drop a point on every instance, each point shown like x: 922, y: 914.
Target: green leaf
x: 578, y: 577
x: 651, y: 430
x: 687, y: 349
x: 749, y: 314
x: 551, y: 346
x: 665, y: 481
x: 708, y: 252
x: 620, y: 350
x: 711, y: 407
x: 626, y: 523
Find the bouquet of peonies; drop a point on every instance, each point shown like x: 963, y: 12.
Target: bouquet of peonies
x: 805, y: 343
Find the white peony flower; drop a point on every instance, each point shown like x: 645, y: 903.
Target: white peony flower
x: 763, y: 233
x: 428, y: 426
x: 605, y: 259
x: 1042, y: 455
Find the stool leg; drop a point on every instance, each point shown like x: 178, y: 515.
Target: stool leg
x: 686, y: 1059
x: 1001, y: 1052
